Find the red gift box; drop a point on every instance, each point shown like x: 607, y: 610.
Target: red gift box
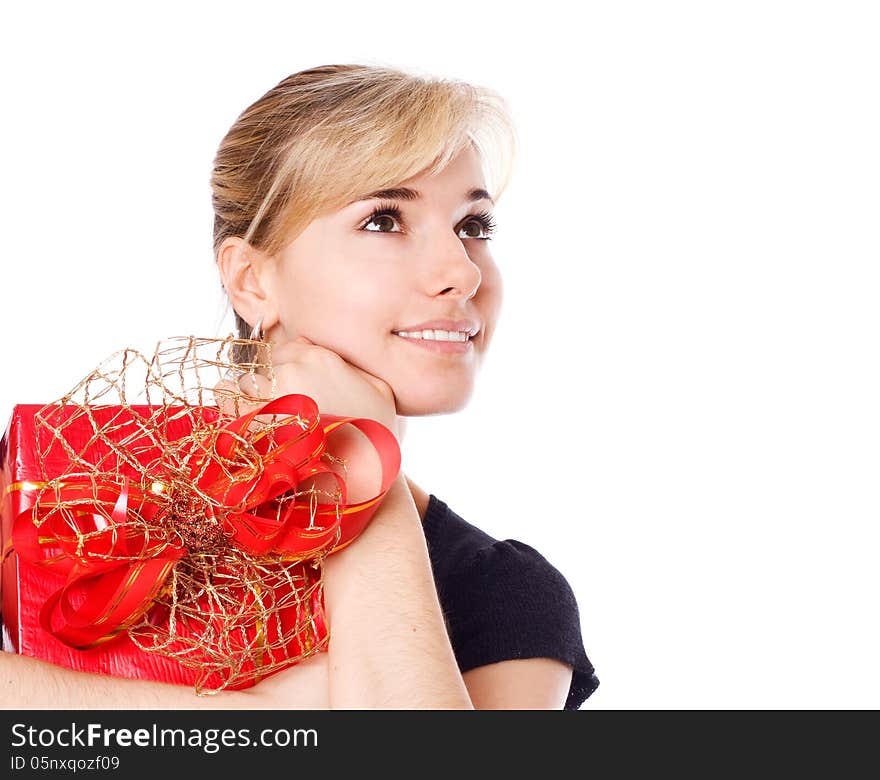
x: 60, y: 596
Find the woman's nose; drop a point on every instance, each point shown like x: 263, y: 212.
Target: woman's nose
x: 454, y: 268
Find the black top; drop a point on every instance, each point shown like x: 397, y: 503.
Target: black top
x: 503, y: 600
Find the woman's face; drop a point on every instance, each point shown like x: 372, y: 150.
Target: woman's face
x: 348, y: 282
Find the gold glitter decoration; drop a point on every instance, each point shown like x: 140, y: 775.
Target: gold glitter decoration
x: 230, y: 615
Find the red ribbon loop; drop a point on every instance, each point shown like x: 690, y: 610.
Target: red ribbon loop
x: 116, y: 561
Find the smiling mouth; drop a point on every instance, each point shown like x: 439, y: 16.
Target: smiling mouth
x: 441, y: 346
x: 416, y: 337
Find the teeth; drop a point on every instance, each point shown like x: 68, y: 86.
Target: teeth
x: 435, y: 335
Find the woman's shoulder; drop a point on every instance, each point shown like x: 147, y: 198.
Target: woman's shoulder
x: 453, y: 543
x: 463, y: 554
x: 502, y: 599
x: 456, y: 546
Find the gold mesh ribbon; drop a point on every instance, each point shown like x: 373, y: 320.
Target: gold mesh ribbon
x: 189, y: 515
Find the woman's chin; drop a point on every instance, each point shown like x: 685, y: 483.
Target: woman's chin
x: 416, y: 404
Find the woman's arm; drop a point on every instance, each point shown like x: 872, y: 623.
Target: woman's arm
x: 28, y: 683
x: 520, y: 684
x: 388, y: 643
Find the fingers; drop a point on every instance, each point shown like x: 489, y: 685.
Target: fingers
x: 223, y: 396
x: 289, y: 351
x: 238, y: 397
x: 378, y: 383
x: 255, y: 387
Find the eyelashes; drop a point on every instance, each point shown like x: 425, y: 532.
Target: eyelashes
x: 483, y: 219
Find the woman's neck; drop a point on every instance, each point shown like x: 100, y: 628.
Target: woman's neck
x: 420, y: 497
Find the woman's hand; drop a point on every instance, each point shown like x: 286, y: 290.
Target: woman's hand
x: 337, y: 387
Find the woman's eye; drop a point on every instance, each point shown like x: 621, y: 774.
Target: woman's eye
x: 384, y: 221
x: 477, y: 226
x: 482, y: 223
x: 476, y: 229
x: 384, y: 216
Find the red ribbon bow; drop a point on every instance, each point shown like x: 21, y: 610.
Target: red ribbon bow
x: 116, y: 566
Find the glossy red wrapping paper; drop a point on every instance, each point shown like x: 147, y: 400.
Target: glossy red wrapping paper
x: 71, y: 602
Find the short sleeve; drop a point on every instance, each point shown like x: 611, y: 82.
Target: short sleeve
x: 509, y: 602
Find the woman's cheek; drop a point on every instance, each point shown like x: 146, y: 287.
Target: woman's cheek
x: 490, y: 293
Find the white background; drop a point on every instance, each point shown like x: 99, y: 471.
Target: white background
x: 681, y: 407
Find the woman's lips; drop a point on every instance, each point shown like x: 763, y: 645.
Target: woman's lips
x: 448, y: 347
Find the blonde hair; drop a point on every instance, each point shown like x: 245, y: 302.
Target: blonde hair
x: 326, y: 136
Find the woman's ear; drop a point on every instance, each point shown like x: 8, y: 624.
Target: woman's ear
x: 244, y: 273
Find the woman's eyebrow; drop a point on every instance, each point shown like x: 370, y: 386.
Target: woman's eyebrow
x: 405, y: 193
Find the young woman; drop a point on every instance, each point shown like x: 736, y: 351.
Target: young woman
x: 352, y: 232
